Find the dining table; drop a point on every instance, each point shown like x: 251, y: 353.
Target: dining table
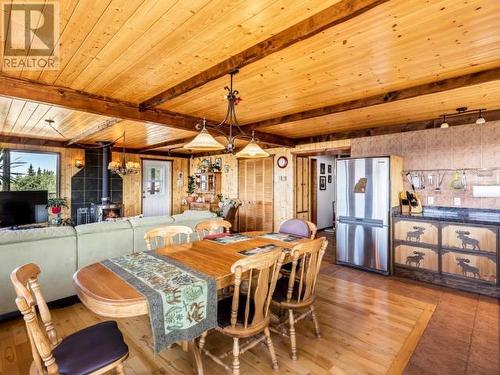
x: 107, y: 295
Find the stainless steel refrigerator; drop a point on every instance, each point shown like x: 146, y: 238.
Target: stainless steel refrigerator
x: 365, y: 194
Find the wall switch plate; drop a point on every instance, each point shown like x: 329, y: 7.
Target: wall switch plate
x: 430, y: 200
x: 457, y: 201
x: 282, y: 178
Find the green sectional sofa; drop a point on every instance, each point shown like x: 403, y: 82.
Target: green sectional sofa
x: 60, y: 251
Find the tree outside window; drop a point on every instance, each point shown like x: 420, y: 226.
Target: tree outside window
x: 23, y: 171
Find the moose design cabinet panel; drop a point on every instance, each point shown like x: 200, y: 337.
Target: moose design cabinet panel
x: 460, y: 255
x: 416, y: 257
x: 467, y: 237
x: 416, y: 232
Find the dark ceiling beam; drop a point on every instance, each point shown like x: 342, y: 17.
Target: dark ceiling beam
x: 458, y: 120
x: 173, y: 142
x: 466, y: 80
x: 86, y: 102
x: 39, y: 142
x: 327, y: 18
x: 94, y: 130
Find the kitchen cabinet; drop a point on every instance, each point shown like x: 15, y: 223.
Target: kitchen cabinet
x: 462, y: 255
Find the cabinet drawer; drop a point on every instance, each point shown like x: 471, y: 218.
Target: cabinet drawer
x: 416, y: 231
x: 416, y: 257
x: 477, y: 267
x: 471, y: 238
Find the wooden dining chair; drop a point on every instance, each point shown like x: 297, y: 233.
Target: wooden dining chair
x: 246, y: 315
x: 164, y: 236
x: 297, y: 292
x: 212, y: 227
x: 299, y: 227
x: 93, y: 350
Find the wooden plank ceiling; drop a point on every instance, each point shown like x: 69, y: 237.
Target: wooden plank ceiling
x: 133, y: 50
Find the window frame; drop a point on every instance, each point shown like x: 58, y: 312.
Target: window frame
x: 9, y: 150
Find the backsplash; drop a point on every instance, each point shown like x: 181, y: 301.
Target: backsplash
x: 467, y: 146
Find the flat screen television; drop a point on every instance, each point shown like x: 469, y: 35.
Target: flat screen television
x: 20, y: 207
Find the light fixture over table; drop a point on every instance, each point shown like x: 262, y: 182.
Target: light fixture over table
x: 124, y: 167
x: 204, y: 141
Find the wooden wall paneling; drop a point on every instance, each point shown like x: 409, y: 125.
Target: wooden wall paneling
x: 283, y: 178
x: 132, y: 194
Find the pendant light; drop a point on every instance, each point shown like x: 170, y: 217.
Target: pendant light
x: 204, y: 141
x: 252, y: 151
x: 480, y: 119
x: 124, y: 167
x: 444, y: 124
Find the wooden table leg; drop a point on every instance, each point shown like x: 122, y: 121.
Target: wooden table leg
x: 195, y: 353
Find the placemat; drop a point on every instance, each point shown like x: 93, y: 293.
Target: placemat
x: 258, y: 250
x: 282, y: 237
x: 232, y: 238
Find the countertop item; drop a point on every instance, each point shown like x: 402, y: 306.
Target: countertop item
x: 453, y: 214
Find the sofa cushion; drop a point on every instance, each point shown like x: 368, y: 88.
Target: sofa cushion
x: 151, y: 221
x: 53, y: 249
x: 193, y: 215
x: 103, y: 226
x: 141, y: 225
x: 99, y: 241
x: 36, y: 234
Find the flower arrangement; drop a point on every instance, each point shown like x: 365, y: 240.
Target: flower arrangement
x: 55, y: 204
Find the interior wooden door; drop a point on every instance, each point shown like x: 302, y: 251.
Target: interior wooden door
x: 302, y: 188
x: 313, y: 188
x: 255, y: 186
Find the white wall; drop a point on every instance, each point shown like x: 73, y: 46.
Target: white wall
x: 325, y: 197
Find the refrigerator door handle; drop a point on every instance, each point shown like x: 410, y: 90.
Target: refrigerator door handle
x: 361, y: 221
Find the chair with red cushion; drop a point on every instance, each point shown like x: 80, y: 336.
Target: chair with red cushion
x: 94, y: 350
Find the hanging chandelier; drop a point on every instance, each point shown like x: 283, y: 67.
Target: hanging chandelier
x: 204, y: 141
x: 124, y: 167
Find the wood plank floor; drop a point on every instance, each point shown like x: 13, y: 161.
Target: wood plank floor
x: 463, y: 336
x: 364, y: 330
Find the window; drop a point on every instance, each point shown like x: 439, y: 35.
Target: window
x: 26, y: 170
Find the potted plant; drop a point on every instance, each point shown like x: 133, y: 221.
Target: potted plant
x: 190, y: 189
x: 55, y: 204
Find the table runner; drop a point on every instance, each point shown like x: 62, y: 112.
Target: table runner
x: 182, y: 302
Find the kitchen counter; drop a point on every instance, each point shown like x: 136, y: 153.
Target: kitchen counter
x: 454, y: 215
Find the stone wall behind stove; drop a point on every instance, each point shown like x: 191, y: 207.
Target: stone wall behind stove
x: 86, y: 184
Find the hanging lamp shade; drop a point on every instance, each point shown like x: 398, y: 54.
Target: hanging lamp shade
x: 252, y: 150
x: 204, y: 142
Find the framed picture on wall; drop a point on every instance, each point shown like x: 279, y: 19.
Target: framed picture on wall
x: 329, y: 171
x: 322, y: 168
x: 322, y: 182
x: 329, y: 179
x: 218, y: 164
